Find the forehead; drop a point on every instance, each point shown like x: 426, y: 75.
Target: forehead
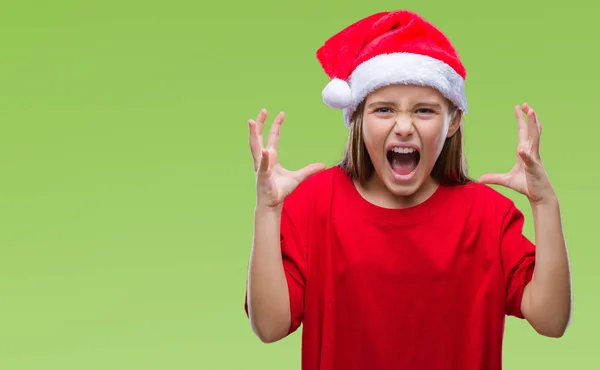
x: 406, y: 93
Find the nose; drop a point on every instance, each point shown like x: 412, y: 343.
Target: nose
x: 404, y: 125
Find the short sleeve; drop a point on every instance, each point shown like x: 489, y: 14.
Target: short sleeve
x: 294, y: 259
x: 518, y: 260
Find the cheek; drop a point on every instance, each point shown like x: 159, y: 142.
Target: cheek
x: 374, y: 140
x: 434, y: 141
x: 441, y: 139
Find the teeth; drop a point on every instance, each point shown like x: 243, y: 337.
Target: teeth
x: 403, y: 150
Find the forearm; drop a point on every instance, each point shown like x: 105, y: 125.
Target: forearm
x: 268, y: 297
x: 547, y: 299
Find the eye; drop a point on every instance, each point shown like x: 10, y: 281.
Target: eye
x: 425, y: 111
x: 383, y: 110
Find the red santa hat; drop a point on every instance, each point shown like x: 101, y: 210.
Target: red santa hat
x: 386, y: 48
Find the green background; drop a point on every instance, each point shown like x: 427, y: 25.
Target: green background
x: 127, y: 189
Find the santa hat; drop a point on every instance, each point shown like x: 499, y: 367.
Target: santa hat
x: 386, y: 48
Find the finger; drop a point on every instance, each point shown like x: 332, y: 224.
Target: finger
x: 309, y: 170
x: 526, y: 156
x: 273, y: 139
x: 254, y: 141
x: 260, y: 121
x: 264, y: 161
x: 494, y: 179
x: 538, y: 123
x: 533, y: 131
x: 521, y: 124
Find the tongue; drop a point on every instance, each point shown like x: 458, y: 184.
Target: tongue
x: 403, y: 164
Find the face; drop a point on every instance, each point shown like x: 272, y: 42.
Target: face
x: 404, y: 130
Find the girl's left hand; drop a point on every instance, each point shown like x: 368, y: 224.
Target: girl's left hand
x: 528, y: 175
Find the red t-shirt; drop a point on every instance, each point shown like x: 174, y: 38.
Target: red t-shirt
x: 426, y: 287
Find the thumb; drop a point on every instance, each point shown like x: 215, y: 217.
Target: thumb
x: 494, y: 179
x: 263, y: 166
x: 307, y: 171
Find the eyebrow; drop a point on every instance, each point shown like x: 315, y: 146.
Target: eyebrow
x: 420, y: 104
x: 429, y: 104
x: 376, y: 103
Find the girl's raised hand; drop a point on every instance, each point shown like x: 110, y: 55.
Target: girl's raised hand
x: 528, y: 175
x: 273, y: 182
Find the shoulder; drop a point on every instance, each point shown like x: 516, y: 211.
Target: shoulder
x: 314, y: 189
x: 320, y: 179
x: 487, y: 208
x: 483, y: 197
x: 317, y: 183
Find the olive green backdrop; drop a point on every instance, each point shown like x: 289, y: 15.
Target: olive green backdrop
x: 126, y: 183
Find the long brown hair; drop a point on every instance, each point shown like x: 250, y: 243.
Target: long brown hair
x: 449, y: 169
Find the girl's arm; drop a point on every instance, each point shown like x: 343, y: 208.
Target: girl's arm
x: 268, y: 293
x: 547, y: 300
x: 268, y: 296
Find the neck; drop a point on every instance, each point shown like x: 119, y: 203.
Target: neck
x: 375, y: 191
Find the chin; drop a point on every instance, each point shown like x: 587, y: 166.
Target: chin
x: 405, y: 185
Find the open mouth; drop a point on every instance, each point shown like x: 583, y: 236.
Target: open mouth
x: 403, y: 160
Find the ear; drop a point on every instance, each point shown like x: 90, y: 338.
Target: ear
x: 456, y: 121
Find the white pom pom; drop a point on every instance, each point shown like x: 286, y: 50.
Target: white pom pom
x: 337, y: 94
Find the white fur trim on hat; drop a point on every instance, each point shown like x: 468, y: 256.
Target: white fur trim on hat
x: 402, y: 68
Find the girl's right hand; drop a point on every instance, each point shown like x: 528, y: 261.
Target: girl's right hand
x: 273, y: 182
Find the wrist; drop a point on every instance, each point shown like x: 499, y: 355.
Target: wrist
x: 267, y: 210
x: 547, y: 201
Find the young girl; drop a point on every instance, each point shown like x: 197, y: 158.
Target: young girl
x: 395, y: 258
